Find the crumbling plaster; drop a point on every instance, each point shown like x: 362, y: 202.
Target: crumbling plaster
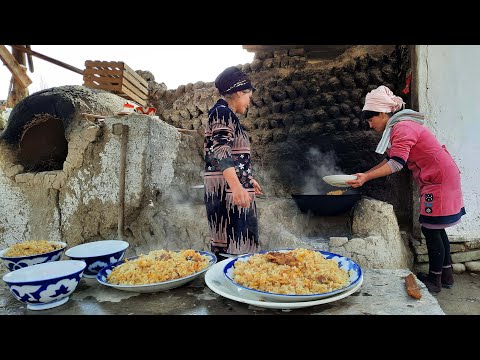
x: 80, y: 202
x: 162, y: 210
x: 14, y: 212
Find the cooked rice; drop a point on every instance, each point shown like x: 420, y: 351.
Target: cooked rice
x: 336, y: 192
x: 158, y: 266
x: 311, y: 273
x: 31, y: 247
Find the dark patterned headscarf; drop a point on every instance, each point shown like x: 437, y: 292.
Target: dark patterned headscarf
x: 231, y: 80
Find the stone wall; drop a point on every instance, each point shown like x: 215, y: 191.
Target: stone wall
x: 465, y: 254
x: 303, y: 122
x: 79, y: 202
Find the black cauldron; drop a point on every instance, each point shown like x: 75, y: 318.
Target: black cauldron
x: 327, y: 205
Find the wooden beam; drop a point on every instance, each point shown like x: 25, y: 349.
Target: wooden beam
x: 18, y: 72
x: 30, y: 60
x: 18, y: 92
x: 49, y: 59
x: 255, y: 48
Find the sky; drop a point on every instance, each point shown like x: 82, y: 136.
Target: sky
x: 173, y: 65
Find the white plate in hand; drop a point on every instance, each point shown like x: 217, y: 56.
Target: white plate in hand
x: 339, y: 180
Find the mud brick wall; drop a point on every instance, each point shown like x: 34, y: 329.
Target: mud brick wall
x: 304, y: 119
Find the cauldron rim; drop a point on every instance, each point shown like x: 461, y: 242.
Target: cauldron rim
x: 329, y: 205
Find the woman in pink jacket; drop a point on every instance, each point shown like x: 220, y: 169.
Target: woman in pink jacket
x: 406, y: 141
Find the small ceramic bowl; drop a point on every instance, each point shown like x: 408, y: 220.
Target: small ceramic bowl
x: 18, y: 262
x: 98, y: 254
x: 47, y: 285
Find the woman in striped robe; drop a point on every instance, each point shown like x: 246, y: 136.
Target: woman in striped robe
x: 230, y: 187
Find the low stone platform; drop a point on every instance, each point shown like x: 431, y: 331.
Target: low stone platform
x: 382, y: 293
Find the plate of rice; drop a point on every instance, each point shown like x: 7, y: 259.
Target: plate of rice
x: 158, y: 270
x: 292, y: 275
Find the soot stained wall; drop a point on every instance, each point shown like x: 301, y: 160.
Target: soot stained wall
x: 304, y: 119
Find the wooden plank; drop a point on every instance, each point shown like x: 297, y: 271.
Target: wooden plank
x: 49, y: 59
x: 133, y: 88
x: 30, y: 60
x: 133, y: 96
x: 90, y: 71
x: 107, y: 71
x: 108, y: 87
x: 18, y: 72
x: 104, y: 64
x: 116, y: 79
x: 142, y: 89
x: 134, y: 80
x: 103, y: 79
x: 134, y: 74
x: 128, y: 86
x: 143, y: 85
x: 119, y: 90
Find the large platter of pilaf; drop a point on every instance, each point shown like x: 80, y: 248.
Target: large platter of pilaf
x: 293, y: 275
x: 158, y: 270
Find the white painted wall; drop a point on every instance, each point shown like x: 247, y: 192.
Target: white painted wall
x: 449, y: 95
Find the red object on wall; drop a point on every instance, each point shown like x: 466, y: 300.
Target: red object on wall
x: 146, y: 110
x: 408, y: 80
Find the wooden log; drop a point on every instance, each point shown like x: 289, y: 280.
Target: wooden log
x: 15, y: 68
x: 30, y: 59
x: 49, y: 59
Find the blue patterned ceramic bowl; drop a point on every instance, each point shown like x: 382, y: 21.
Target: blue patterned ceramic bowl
x: 47, y: 285
x: 353, y: 269
x: 18, y: 262
x: 98, y: 254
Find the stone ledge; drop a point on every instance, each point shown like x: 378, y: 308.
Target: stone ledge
x: 382, y: 293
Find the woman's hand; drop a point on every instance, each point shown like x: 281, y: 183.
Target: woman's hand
x: 256, y: 186
x: 241, y: 197
x: 362, y: 178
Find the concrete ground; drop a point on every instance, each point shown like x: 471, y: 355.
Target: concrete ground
x: 381, y: 293
x: 463, y: 298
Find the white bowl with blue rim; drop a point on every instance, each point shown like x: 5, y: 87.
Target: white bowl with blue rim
x: 155, y: 287
x: 353, y: 269
x: 98, y: 254
x: 47, y: 285
x: 18, y: 262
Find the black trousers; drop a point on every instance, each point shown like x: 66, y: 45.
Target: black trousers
x: 438, y: 248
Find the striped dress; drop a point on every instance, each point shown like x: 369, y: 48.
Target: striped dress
x: 232, y: 229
